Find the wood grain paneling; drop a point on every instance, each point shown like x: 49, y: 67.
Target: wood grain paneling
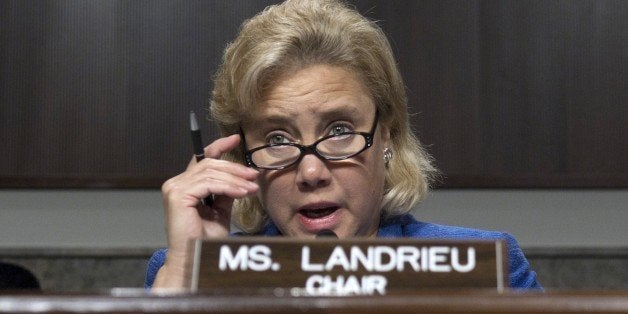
x: 503, y: 93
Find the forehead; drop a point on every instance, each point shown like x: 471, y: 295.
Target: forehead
x: 318, y: 90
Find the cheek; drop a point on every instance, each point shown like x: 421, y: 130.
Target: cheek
x: 368, y: 177
x: 274, y: 186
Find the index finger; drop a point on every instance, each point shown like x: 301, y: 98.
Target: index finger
x: 221, y: 146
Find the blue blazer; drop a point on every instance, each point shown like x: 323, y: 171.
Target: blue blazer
x: 520, y: 276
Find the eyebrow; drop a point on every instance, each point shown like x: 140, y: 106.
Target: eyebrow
x: 345, y: 111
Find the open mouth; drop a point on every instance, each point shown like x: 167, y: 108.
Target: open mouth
x: 316, y: 213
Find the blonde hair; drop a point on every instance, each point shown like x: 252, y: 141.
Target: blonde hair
x: 300, y: 33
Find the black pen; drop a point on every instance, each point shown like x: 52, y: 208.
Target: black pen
x: 199, y: 152
x: 197, y: 143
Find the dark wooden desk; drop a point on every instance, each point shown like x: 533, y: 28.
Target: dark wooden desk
x: 427, y: 302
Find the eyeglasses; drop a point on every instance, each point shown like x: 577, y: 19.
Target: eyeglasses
x: 332, y: 147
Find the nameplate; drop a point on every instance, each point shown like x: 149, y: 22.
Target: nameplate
x: 342, y: 267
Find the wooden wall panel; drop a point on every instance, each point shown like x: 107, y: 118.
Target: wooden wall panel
x: 503, y: 93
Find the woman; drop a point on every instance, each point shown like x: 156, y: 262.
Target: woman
x: 314, y: 114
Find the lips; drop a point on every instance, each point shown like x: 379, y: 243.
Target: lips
x: 318, y: 216
x: 316, y: 213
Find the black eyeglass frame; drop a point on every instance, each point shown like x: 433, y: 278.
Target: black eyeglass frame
x: 311, y: 149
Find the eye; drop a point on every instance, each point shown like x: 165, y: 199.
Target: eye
x: 277, y: 138
x: 340, y: 128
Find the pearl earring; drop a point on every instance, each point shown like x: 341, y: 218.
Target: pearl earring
x: 387, y: 155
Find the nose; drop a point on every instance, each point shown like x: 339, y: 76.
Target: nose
x: 312, y: 172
